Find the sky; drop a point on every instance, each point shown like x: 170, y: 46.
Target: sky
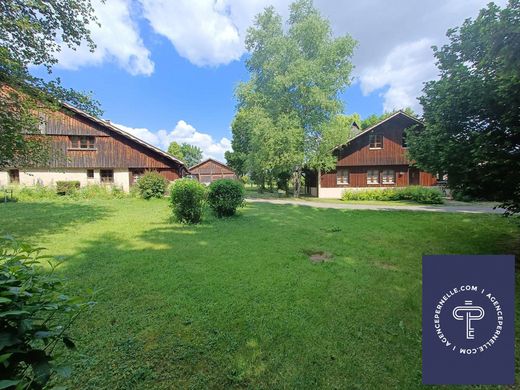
x: 166, y: 70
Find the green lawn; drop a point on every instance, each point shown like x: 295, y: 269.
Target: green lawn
x: 237, y: 303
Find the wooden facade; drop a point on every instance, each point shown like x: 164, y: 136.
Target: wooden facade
x: 377, y: 157
x: 210, y: 170
x: 92, y: 150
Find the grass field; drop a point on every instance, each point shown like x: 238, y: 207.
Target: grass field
x: 238, y: 303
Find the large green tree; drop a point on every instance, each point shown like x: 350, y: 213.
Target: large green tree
x: 472, y: 112
x: 175, y: 150
x: 296, y: 75
x: 192, y: 154
x: 29, y: 35
x: 375, y: 119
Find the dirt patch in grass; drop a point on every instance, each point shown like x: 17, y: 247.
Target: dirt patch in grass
x: 319, y: 256
x: 387, y: 266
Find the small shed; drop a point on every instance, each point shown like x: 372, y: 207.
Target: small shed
x: 210, y: 170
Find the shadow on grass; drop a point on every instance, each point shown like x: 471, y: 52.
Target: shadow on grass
x: 28, y: 220
x: 237, y: 303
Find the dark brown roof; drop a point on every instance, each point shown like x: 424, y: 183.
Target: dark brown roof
x: 211, y: 159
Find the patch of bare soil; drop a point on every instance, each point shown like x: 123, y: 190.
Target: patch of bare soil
x: 320, y: 257
x: 387, y: 266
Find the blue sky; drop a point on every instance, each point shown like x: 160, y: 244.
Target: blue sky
x: 166, y: 70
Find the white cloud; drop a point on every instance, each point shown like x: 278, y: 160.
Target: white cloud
x: 206, y: 32
x: 394, y: 38
x: 117, y: 40
x: 403, y: 71
x: 183, y: 132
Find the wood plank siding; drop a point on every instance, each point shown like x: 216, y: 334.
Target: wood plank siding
x: 357, y: 177
x: 211, y: 170
x: 379, y: 152
x: 111, y: 150
x: 358, y: 152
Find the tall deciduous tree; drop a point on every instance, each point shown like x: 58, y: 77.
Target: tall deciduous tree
x: 175, y: 150
x: 192, y: 154
x: 472, y: 113
x: 296, y: 76
x: 29, y: 34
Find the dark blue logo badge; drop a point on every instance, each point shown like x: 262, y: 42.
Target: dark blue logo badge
x: 468, y: 319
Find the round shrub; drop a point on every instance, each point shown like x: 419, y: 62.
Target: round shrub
x: 225, y: 196
x: 152, y: 185
x: 187, y: 200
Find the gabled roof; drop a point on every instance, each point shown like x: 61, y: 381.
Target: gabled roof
x: 125, y: 134
x: 211, y: 159
x: 400, y: 112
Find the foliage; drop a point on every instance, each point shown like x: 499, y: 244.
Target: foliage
x: 472, y: 112
x: 29, y: 35
x: 36, y: 316
x: 296, y: 76
x: 426, y: 195
x: 91, y: 191
x: 240, y: 299
x: 375, y: 119
x: 175, y: 150
x: 152, y: 185
x: 187, y: 197
x: 68, y: 187
x: 225, y: 196
x: 192, y: 155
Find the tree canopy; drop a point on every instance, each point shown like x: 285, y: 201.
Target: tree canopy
x: 31, y: 33
x: 190, y: 154
x: 472, y: 112
x: 296, y: 75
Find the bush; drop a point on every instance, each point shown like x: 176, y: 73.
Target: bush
x: 36, y: 315
x: 67, y: 187
x: 35, y: 193
x: 225, y: 196
x: 425, y: 195
x: 152, y: 185
x: 187, y: 198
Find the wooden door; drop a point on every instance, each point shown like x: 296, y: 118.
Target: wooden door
x: 413, y: 176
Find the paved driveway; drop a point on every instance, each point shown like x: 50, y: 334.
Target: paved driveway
x: 475, y: 209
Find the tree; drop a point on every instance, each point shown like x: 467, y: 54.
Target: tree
x: 375, y: 119
x: 472, y: 113
x: 296, y: 77
x: 175, y: 150
x: 29, y: 34
x: 192, y: 154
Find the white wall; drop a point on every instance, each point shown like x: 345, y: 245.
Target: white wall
x: 46, y: 177
x: 334, y: 192
x: 4, y: 178
x: 122, y: 179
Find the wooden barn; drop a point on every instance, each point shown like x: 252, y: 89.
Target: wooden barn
x: 93, y: 151
x: 374, y: 158
x: 210, y: 170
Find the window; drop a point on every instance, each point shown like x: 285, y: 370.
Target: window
x: 342, y: 176
x: 372, y: 177
x: 205, y: 179
x: 83, y: 142
x: 90, y: 173
x: 388, y: 176
x: 14, y: 176
x: 107, y: 175
x: 375, y: 141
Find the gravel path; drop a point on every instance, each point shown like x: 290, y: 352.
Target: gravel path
x: 475, y: 209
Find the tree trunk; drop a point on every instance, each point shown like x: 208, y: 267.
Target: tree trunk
x: 297, y: 182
